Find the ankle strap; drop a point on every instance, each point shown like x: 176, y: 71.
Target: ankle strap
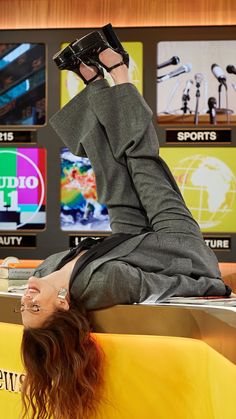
x: 114, y: 66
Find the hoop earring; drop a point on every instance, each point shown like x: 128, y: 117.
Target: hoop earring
x: 62, y: 293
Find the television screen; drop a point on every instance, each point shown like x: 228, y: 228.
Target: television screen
x: 199, y: 86
x: 22, y: 84
x: 80, y: 210
x: 22, y: 188
x: 207, y: 179
x: 71, y: 84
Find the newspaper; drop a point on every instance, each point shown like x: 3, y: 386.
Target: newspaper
x: 211, y: 300
x: 215, y: 301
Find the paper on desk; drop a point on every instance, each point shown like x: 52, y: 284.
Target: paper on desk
x: 210, y: 301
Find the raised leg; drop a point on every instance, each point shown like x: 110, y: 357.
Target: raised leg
x: 80, y: 130
x: 126, y: 119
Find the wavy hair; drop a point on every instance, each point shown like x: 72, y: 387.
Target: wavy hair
x: 64, y: 368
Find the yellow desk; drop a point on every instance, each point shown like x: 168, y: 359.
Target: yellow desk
x: 145, y: 377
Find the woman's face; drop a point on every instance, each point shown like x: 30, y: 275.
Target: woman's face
x: 41, y: 299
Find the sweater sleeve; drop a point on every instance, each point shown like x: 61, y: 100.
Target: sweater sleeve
x: 117, y: 282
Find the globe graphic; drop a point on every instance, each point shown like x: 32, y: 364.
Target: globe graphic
x: 208, y: 186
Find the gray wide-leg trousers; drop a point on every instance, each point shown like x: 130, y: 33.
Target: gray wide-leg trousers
x: 112, y: 126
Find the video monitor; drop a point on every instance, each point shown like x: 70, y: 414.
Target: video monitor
x: 196, y: 83
x: 80, y: 210
x: 207, y: 179
x: 22, y: 84
x: 71, y: 84
x: 22, y: 188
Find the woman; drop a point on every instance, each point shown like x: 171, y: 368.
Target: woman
x: 156, y: 250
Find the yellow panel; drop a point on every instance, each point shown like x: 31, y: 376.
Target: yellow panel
x: 145, y: 376
x: 207, y: 179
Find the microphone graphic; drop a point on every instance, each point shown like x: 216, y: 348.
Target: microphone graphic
x: 172, y: 61
x: 187, y: 87
x: 231, y: 69
x: 212, y: 109
x: 186, y: 97
x: 183, y: 69
x: 198, y: 79
x: 218, y: 73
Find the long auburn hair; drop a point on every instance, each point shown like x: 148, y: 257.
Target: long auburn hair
x: 64, y: 368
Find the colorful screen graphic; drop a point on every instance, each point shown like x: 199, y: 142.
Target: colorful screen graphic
x: 199, y: 83
x: 207, y: 180
x: 22, y: 84
x: 80, y: 210
x: 71, y: 84
x: 22, y: 188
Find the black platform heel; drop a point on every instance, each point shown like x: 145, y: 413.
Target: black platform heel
x: 99, y: 72
x: 115, y: 43
x: 90, y: 46
x: 87, y: 50
x: 67, y: 59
